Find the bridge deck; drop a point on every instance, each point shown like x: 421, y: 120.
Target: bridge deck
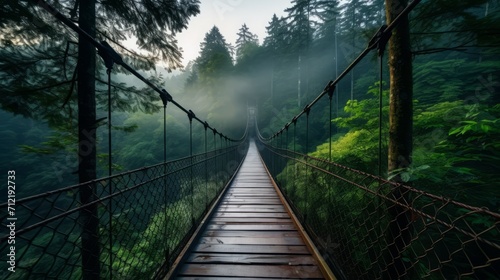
x: 250, y: 234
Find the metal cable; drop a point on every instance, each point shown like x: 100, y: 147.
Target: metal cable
x: 105, y: 48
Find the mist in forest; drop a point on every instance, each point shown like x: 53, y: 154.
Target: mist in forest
x: 278, y: 74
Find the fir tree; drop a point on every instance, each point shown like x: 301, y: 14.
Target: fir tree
x: 215, y: 56
x: 245, y: 40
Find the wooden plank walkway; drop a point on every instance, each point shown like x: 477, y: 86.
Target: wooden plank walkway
x: 250, y: 235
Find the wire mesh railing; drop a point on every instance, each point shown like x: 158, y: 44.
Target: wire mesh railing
x: 130, y: 225
x: 154, y: 210
x: 366, y: 226
x: 353, y: 218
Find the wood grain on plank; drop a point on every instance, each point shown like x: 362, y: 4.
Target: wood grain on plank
x: 251, y: 249
x: 251, y: 259
x: 234, y: 270
x: 249, y: 234
x: 252, y: 241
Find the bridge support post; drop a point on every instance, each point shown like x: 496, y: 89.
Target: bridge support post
x: 87, y: 142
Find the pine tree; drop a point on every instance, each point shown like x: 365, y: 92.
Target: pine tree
x: 300, y: 26
x: 215, y: 56
x: 245, y: 40
x: 300, y: 40
x: 327, y: 12
x: 245, y: 36
x: 277, y: 33
x: 276, y: 44
x: 464, y: 26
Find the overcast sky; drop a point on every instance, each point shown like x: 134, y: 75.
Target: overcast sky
x: 228, y: 16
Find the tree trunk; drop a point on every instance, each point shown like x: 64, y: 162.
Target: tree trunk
x: 400, y: 134
x: 87, y: 141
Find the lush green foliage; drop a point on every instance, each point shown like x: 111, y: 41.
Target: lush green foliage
x: 455, y: 143
x: 456, y: 118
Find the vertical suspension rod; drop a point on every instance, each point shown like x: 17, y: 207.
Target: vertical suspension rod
x: 191, y: 116
x: 110, y: 172
x: 165, y: 98
x: 308, y: 111
x: 206, y: 166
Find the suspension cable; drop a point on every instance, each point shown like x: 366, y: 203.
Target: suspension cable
x: 380, y: 35
x: 116, y: 58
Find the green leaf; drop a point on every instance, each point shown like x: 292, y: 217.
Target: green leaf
x: 405, y: 176
x: 422, y: 167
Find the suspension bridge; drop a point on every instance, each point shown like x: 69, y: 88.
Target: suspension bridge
x: 248, y: 208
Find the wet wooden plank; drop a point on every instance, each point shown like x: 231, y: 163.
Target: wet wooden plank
x: 255, y: 221
x: 257, y: 186
x: 252, y: 201
x: 252, y: 249
x: 252, y: 191
x: 252, y: 241
x: 252, y: 195
x: 250, y: 234
x: 235, y: 270
x: 253, y: 210
x: 250, y: 207
x: 212, y: 226
x: 250, y: 215
x: 225, y: 278
x: 251, y: 259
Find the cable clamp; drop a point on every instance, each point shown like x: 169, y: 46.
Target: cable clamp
x: 165, y: 97
x: 380, y: 39
x: 109, y: 55
x: 191, y: 115
x: 307, y: 109
x: 330, y: 89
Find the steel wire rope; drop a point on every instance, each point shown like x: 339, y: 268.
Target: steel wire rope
x: 372, y: 44
x: 101, y: 46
